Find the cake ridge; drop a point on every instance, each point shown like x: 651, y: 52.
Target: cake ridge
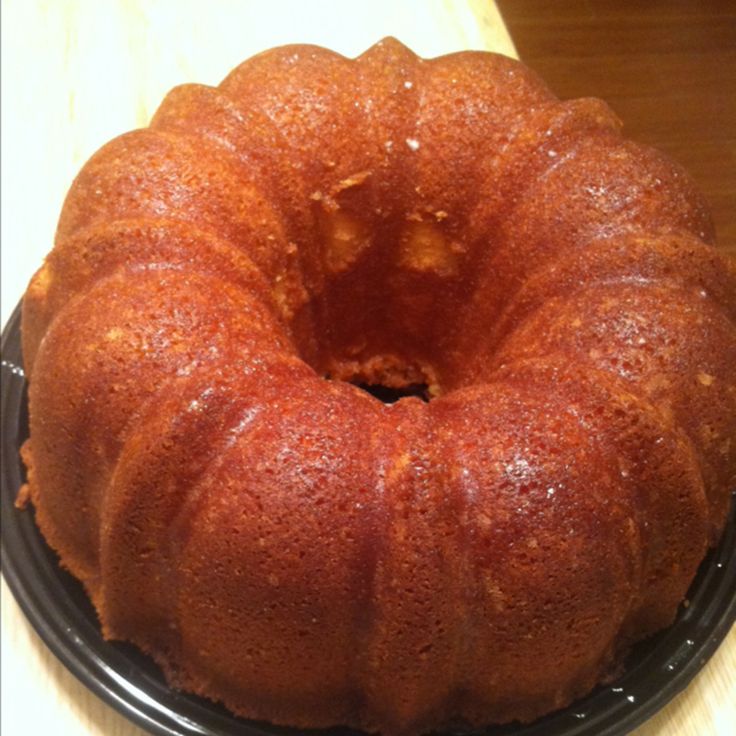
x: 98, y: 245
x: 269, y: 175
x: 653, y: 375
x: 203, y: 409
x: 636, y: 459
x: 683, y: 253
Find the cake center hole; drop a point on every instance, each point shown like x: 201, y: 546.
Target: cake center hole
x: 390, y: 394
x: 387, y: 377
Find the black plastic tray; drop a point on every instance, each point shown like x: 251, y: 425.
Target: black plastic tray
x: 130, y: 682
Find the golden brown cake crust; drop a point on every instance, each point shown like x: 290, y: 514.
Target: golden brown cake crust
x: 282, y: 541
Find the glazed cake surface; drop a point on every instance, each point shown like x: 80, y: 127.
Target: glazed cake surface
x: 278, y: 539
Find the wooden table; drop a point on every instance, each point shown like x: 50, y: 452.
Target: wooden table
x: 75, y: 74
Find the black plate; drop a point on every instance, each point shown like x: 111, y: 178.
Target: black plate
x: 59, y: 610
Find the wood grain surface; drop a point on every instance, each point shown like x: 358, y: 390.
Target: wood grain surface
x: 76, y: 73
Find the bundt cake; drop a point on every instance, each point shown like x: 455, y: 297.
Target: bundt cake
x: 542, y: 293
